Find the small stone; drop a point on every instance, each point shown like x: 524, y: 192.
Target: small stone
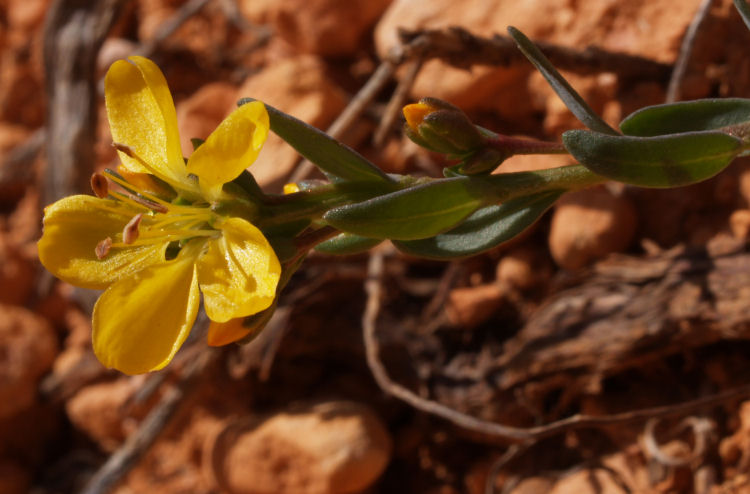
x: 27, y: 16
x: 468, y: 307
x: 524, y: 267
x: 14, y: 479
x: 326, y: 27
x: 744, y: 186
x: 737, y: 446
x: 333, y: 448
x: 25, y: 221
x: 739, y: 222
x: 533, y: 485
x: 589, y: 225
x: 615, y: 470
x: 13, y: 185
x: 17, y: 274
x: 96, y: 410
x: 28, y: 346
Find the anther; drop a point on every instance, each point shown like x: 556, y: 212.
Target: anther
x: 130, y: 232
x: 124, y: 148
x: 99, y: 185
x: 153, y: 206
x: 102, y: 248
x: 129, y: 151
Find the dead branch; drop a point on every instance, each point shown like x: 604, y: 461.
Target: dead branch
x: 460, y: 48
x: 352, y: 111
x: 168, y: 27
x: 494, y: 431
x: 137, y: 444
x: 674, y: 88
x: 74, y: 30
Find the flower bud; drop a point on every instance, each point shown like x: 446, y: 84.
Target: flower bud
x: 442, y: 127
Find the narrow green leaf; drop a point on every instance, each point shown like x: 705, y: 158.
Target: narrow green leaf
x: 413, y: 213
x: 687, y: 116
x: 327, y: 153
x: 744, y: 9
x: 564, y: 90
x: 666, y: 161
x: 487, y: 228
x: 347, y: 243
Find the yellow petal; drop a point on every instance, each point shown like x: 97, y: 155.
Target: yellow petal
x: 224, y: 333
x: 142, y: 116
x: 291, y: 188
x: 73, y: 227
x: 415, y: 113
x: 231, y: 148
x: 140, y: 322
x: 239, y: 272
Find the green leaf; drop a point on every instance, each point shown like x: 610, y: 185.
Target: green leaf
x: 744, y: 9
x: 347, y: 243
x: 327, y: 153
x: 666, y: 161
x: 247, y: 184
x: 564, y: 90
x: 417, y: 212
x: 485, y: 229
x: 687, y: 116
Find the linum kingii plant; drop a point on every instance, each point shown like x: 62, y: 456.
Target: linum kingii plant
x: 163, y: 229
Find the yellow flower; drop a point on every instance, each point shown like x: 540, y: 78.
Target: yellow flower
x: 153, y: 256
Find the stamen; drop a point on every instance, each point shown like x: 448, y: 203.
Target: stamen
x: 130, y: 152
x: 131, y: 188
x: 149, y: 197
x: 130, y: 232
x: 125, y: 149
x: 190, y: 220
x: 102, y: 248
x: 135, y: 200
x: 168, y: 236
x: 99, y: 185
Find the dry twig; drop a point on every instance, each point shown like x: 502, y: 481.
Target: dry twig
x: 137, y: 444
x: 686, y: 50
x: 168, y: 27
x: 352, y: 111
x: 74, y: 30
x: 491, y: 430
x: 460, y: 48
x: 393, y: 110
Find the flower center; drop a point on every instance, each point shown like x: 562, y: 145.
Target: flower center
x: 154, y: 220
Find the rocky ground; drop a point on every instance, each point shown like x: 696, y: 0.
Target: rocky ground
x: 618, y: 300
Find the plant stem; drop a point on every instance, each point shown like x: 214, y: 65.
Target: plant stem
x: 506, y: 186
x: 514, y: 145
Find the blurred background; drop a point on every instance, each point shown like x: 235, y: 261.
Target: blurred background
x: 619, y: 299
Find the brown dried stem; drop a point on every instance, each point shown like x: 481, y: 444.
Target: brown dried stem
x: 490, y: 430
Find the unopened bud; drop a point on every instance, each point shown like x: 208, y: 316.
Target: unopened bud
x: 102, y: 248
x: 99, y: 185
x: 441, y: 127
x: 130, y: 232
